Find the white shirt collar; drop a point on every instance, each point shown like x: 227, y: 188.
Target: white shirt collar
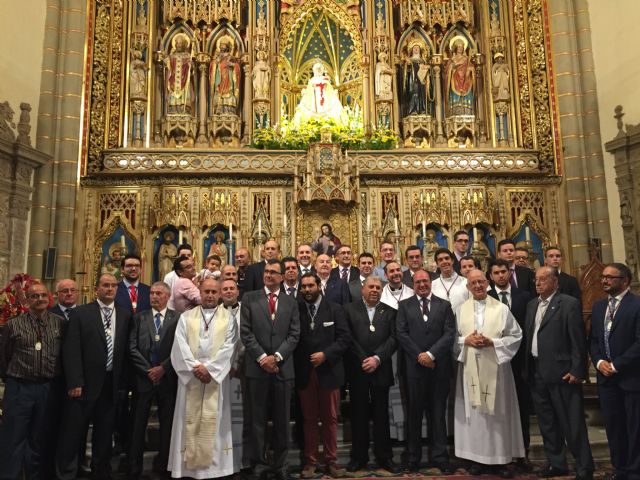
x: 163, y: 312
x: 268, y: 292
x: 104, y: 305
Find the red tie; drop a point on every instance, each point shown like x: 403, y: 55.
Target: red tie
x: 133, y: 294
x: 272, y: 305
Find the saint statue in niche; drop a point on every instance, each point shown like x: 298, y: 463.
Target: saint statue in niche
x: 225, y: 77
x: 219, y: 248
x: 500, y: 79
x: 460, y: 79
x: 261, y: 76
x: 178, y: 80
x: 138, y: 77
x: 384, y: 79
x: 319, y: 99
x: 416, y: 81
x: 167, y: 253
x: 326, y: 242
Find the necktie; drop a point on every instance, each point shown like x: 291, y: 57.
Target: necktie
x: 312, y: 314
x: 344, y: 274
x: 272, y: 306
x: 158, y: 322
x: 291, y: 291
x: 107, y: 313
x: 425, y: 307
x: 503, y: 298
x: 154, y: 352
x: 608, y: 325
x: 67, y: 312
x: 512, y: 279
x: 133, y: 294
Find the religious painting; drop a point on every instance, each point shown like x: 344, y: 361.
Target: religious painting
x: 165, y: 251
x: 527, y: 238
x: 326, y: 241
x: 215, y: 243
x: 114, y: 249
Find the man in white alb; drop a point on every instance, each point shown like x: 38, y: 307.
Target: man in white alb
x: 451, y: 286
x: 394, y: 291
x: 487, y: 427
x: 205, y: 344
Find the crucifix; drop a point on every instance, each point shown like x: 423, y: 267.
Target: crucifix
x: 238, y: 392
x: 486, y: 393
x: 473, y: 386
x: 226, y: 449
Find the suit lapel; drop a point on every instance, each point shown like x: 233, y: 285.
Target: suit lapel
x: 620, y: 313
x: 531, y: 317
x: 553, y: 307
x: 99, y: 323
x: 148, y: 319
x: 263, y: 301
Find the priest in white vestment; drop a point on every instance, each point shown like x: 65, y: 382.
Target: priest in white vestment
x: 205, y: 344
x: 487, y: 427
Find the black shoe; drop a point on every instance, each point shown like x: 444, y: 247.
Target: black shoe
x: 355, y: 466
x: 504, y: 472
x: 615, y: 476
x: 413, y: 467
x: 282, y: 475
x: 445, y: 468
x: 549, y: 471
x: 524, y: 465
x: 389, y: 465
x: 475, y: 469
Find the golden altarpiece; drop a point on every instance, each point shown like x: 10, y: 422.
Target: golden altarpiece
x: 177, y: 90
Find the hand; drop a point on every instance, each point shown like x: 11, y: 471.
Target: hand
x: 571, y: 379
x: 155, y: 374
x: 425, y: 360
x: 317, y: 359
x: 605, y: 368
x: 201, y: 373
x: 370, y: 364
x: 75, y: 392
x: 233, y: 373
x: 486, y: 341
x: 474, y: 340
x: 270, y: 364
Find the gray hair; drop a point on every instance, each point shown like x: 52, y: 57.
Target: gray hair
x: 162, y: 285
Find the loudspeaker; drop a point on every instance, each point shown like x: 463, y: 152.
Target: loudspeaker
x: 49, y: 265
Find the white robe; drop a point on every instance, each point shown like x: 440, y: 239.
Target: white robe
x: 183, y: 362
x: 490, y: 439
x: 456, y: 285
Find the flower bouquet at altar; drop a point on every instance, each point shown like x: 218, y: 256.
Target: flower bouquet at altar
x: 13, y: 298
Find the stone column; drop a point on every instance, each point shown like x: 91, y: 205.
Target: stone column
x: 54, y: 199
x: 582, y: 165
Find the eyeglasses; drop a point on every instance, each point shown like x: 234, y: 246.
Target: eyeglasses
x: 272, y: 272
x: 520, y: 257
x: 608, y: 278
x: 463, y: 240
x: 67, y: 291
x: 38, y: 295
x: 129, y: 267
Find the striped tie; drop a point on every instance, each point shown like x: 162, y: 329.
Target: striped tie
x: 607, y: 326
x: 107, y: 312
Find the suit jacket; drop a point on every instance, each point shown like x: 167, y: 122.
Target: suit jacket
x: 262, y: 336
x: 407, y: 278
x: 526, y: 280
x: 436, y: 335
x: 123, y: 300
x: 562, y: 344
x: 366, y: 344
x: 58, y: 311
x: 331, y: 336
x: 624, y: 342
x: 142, y: 345
x: 337, y: 291
x: 354, y: 272
x: 254, y: 277
x: 355, y: 289
x: 568, y: 285
x: 84, y: 350
x: 518, y: 307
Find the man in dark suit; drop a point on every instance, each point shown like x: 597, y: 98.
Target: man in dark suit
x: 460, y: 248
x: 67, y: 293
x: 517, y: 301
x: 425, y: 331
x: 324, y: 337
x: 269, y: 329
x: 344, y: 271
x: 333, y: 289
x: 132, y: 294
x: 253, y: 279
x: 291, y: 277
x: 415, y: 261
x: 615, y: 352
x: 521, y: 277
x: 150, y: 341
x: 567, y: 284
x: 370, y: 374
x: 556, y: 365
x: 466, y: 264
x: 304, y: 256
x: 365, y: 265
x: 93, y: 353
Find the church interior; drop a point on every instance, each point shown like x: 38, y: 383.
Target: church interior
x: 134, y: 126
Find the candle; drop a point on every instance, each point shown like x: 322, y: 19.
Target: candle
x: 421, y: 198
x: 527, y: 233
x: 475, y: 234
x: 368, y: 222
x: 179, y: 237
x: 284, y: 222
x: 259, y: 228
x: 395, y: 224
x: 424, y: 230
x: 123, y: 242
x: 230, y: 232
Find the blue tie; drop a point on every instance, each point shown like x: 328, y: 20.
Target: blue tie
x: 158, y: 323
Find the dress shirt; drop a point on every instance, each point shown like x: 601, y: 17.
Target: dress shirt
x: 162, y: 313
x: 618, y: 298
x: 508, y: 292
x: 371, y: 311
x: 18, y: 355
x: 542, y: 308
x: 184, y: 295
x: 294, y: 293
x: 67, y: 310
x: 277, y: 294
x: 304, y: 270
x: 420, y: 298
x: 113, y: 317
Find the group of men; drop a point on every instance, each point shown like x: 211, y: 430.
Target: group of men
x: 507, y: 340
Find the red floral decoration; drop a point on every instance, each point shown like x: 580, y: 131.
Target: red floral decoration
x: 13, y: 298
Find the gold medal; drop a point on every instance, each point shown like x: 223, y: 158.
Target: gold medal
x: 372, y: 328
x: 38, y: 346
x: 425, y: 318
x: 157, y: 338
x: 273, y: 317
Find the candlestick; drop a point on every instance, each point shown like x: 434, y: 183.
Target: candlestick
x: 527, y: 233
x: 123, y: 242
x: 259, y: 229
x: 284, y: 222
x: 368, y: 222
x: 395, y: 224
x: 424, y: 230
x: 475, y: 234
x: 230, y: 231
x: 179, y: 237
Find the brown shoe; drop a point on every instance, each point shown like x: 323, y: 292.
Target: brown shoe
x: 309, y: 471
x: 336, y: 471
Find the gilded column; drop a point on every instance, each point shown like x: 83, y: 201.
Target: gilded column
x: 59, y: 117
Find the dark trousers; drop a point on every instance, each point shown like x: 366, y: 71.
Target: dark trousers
x: 560, y: 411
x: 269, y: 395
x: 524, y: 402
x: 368, y: 401
x: 166, y: 401
x: 22, y: 428
x: 77, y: 415
x: 621, y: 414
x: 428, y: 395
